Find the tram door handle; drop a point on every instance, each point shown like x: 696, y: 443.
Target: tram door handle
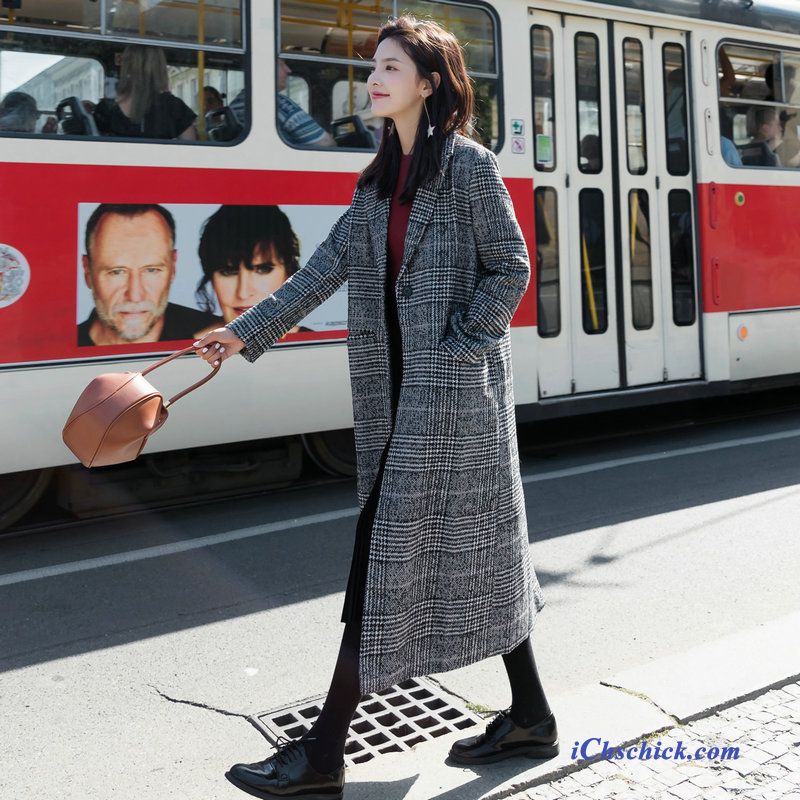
x: 715, y: 288
x: 713, y: 206
x: 710, y: 132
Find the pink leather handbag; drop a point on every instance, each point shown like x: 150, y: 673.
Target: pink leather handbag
x: 117, y: 412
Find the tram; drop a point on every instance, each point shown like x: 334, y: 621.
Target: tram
x: 651, y: 152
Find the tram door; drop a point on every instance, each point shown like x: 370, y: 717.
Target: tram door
x: 613, y: 201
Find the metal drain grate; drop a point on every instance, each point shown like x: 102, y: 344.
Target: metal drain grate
x: 389, y: 721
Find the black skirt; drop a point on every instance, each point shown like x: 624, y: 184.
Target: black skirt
x: 354, y: 595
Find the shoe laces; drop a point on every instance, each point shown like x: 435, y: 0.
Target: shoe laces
x: 288, y: 749
x: 496, y: 722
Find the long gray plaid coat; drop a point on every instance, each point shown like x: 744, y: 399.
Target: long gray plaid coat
x: 449, y: 579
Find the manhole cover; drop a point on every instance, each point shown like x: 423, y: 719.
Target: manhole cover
x: 389, y: 721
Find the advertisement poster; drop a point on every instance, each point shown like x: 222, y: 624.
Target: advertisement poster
x: 171, y: 272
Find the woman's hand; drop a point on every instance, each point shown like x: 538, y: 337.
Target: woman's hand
x: 217, y: 345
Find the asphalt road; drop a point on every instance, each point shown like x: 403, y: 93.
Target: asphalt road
x: 131, y: 651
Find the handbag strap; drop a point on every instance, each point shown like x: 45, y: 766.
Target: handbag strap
x: 190, y: 349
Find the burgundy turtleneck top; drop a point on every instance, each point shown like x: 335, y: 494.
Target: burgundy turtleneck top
x: 398, y: 223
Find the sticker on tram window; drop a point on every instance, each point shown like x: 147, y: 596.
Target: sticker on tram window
x: 172, y: 272
x: 544, y: 150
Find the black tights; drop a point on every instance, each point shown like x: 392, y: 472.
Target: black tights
x: 331, y: 726
x: 528, y: 703
x: 329, y: 731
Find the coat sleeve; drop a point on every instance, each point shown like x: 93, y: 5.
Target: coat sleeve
x: 263, y: 324
x: 503, y: 266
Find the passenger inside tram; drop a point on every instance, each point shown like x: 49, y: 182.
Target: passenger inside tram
x: 144, y: 105
x: 18, y: 113
x: 766, y: 135
x: 783, y: 91
x: 214, y: 100
x: 297, y: 126
x: 591, y: 157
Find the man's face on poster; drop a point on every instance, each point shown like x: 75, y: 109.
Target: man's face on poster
x: 129, y: 269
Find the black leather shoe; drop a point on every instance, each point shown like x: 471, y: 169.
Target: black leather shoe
x: 503, y: 738
x: 287, y: 773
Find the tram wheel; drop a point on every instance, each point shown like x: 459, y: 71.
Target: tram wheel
x: 19, y: 493
x: 332, y: 451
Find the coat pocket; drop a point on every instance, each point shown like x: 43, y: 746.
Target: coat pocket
x: 467, y: 440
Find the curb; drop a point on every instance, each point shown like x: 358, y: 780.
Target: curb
x: 623, y: 709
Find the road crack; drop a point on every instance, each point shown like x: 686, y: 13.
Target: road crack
x: 641, y: 696
x: 204, y: 706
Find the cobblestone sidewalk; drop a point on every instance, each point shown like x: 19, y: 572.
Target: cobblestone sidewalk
x: 765, y: 729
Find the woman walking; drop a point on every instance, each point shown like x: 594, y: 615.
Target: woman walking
x: 441, y: 574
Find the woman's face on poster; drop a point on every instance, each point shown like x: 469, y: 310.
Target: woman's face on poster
x: 239, y: 288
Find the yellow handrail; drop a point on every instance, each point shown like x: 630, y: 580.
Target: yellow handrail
x: 590, y: 289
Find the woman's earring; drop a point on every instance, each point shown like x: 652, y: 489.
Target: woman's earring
x: 430, y: 127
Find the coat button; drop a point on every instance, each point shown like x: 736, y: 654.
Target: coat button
x: 407, y: 291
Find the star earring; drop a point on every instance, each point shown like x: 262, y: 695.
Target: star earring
x: 430, y: 127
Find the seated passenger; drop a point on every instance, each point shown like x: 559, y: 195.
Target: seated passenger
x: 297, y: 126
x: 144, y: 106
x: 214, y: 101
x: 788, y: 151
x: 730, y: 152
x: 764, y: 129
x: 18, y: 112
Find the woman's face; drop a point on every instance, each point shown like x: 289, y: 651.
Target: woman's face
x: 239, y: 288
x: 394, y: 85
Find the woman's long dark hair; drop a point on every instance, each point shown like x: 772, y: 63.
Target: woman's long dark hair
x: 451, y: 106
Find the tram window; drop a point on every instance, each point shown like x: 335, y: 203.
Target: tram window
x: 544, y: 99
x: 587, y: 77
x: 681, y: 257
x: 80, y: 16
x: 487, y: 111
x: 75, y: 86
x: 30, y: 104
x: 217, y: 22
x: 752, y: 72
x: 791, y: 79
x: 675, y: 109
x: 548, y: 278
x: 330, y: 48
x: 635, y: 117
x: 641, y: 264
x: 325, y: 105
x: 759, y: 106
x: 470, y: 24
x: 593, y: 261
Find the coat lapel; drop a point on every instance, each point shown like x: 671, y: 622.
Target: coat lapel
x: 424, y: 203
x: 421, y: 212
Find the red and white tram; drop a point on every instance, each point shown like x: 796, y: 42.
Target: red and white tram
x: 651, y: 152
